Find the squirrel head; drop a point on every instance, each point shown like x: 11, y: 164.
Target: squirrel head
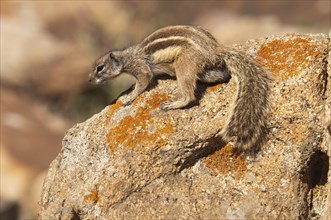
x: 106, y: 67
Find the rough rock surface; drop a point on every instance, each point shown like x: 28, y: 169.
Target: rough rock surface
x: 138, y: 162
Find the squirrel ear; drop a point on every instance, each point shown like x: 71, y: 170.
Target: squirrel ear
x: 114, y: 57
x: 111, y: 55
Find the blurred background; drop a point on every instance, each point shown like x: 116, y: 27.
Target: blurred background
x: 47, y: 49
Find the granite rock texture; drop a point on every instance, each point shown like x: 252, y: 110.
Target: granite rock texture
x: 138, y: 162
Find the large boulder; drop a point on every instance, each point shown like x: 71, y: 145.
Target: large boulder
x: 138, y: 162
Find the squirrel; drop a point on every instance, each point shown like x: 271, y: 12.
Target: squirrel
x: 192, y: 54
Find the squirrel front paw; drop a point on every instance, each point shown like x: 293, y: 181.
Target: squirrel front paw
x: 127, y: 100
x: 166, y: 105
x: 126, y: 103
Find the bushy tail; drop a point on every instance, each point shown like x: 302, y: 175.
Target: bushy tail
x: 247, y: 124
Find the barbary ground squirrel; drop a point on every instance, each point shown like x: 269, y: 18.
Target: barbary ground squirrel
x: 192, y: 54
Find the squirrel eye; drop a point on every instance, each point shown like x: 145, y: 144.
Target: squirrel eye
x: 100, y: 68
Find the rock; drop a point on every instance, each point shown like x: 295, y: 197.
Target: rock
x: 138, y: 162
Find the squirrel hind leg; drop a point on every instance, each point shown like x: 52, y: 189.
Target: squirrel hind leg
x: 186, y: 80
x: 186, y: 96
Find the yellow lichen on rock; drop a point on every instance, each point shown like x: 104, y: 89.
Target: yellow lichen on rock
x: 216, y: 87
x: 225, y: 161
x: 141, y: 130
x: 93, y: 196
x: 115, y: 107
x: 286, y: 58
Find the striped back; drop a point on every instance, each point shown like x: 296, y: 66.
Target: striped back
x: 166, y: 43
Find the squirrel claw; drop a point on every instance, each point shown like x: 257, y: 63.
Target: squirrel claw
x: 127, y: 101
x: 165, y: 106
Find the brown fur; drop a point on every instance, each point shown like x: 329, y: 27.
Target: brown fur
x: 192, y: 54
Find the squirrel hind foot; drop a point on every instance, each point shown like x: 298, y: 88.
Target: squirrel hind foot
x: 170, y: 105
x: 178, y: 103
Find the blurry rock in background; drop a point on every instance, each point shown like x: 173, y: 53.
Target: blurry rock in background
x: 234, y: 25
x: 9, y: 210
x: 47, y: 49
x: 39, y: 57
x: 30, y: 139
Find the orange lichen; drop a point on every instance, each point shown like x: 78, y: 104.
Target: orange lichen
x: 93, y: 196
x: 287, y: 58
x: 142, y: 130
x: 139, y: 99
x: 225, y: 161
x: 216, y: 87
x: 114, y: 107
x: 103, y: 120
